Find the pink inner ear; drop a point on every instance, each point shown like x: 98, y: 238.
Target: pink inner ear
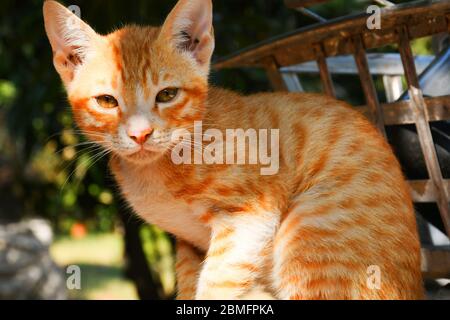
x: 63, y: 66
x: 74, y: 57
x: 190, y: 26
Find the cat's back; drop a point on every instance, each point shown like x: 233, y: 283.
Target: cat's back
x: 308, y: 123
x: 279, y: 109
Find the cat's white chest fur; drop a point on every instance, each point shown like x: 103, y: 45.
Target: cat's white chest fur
x: 150, y: 199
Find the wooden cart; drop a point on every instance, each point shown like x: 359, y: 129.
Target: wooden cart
x: 344, y: 42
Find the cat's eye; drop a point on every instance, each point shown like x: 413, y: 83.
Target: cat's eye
x: 166, y: 95
x: 107, y: 102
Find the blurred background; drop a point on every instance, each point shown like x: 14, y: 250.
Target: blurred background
x: 57, y: 197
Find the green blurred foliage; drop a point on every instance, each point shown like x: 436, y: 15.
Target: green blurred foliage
x: 160, y: 256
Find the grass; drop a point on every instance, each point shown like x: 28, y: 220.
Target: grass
x: 100, y: 258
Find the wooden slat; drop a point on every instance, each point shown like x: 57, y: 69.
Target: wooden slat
x: 274, y: 75
x: 423, y: 128
x: 296, y: 47
x: 438, y: 109
x: 368, y: 85
x: 325, y: 75
x: 389, y: 64
x: 424, y: 191
x: 302, y: 3
x: 435, y: 262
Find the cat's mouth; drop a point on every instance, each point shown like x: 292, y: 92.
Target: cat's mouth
x: 142, y: 152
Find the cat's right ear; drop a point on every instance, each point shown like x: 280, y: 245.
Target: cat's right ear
x: 189, y: 28
x: 71, y: 39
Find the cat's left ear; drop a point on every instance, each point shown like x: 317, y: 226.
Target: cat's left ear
x: 189, y: 28
x: 71, y: 39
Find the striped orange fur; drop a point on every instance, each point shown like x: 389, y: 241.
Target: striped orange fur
x: 338, y: 205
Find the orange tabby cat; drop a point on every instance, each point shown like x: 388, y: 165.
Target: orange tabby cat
x: 336, y: 214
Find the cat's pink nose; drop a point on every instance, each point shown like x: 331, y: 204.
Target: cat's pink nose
x: 140, y: 136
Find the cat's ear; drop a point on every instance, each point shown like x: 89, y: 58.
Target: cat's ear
x: 71, y: 39
x: 189, y: 28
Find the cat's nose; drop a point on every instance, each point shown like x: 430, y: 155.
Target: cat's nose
x: 140, y: 136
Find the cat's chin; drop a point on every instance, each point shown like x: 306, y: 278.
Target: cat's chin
x: 142, y: 156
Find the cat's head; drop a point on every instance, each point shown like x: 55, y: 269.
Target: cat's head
x: 131, y: 89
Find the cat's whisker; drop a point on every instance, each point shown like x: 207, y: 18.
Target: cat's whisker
x: 94, y: 160
x: 192, y: 143
x: 77, y: 155
x: 89, y: 144
x: 199, y: 152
